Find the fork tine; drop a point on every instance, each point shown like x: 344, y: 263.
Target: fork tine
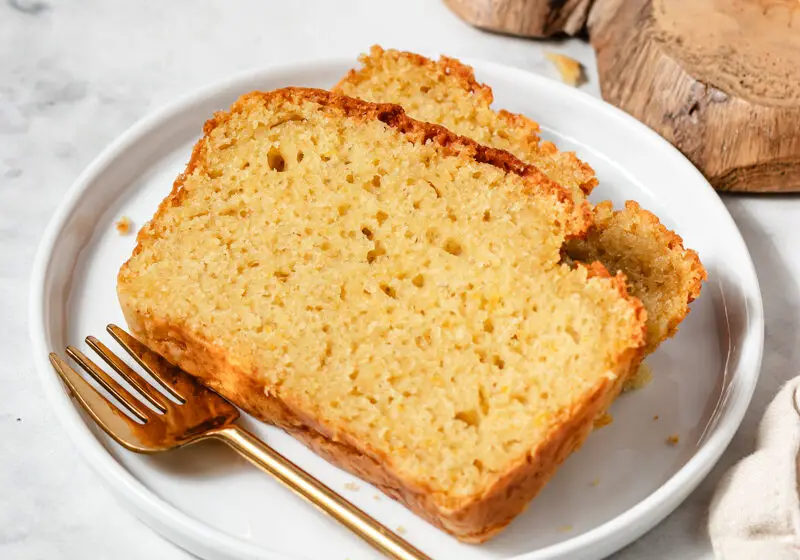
x: 124, y: 397
x: 152, y: 363
x: 116, y: 424
x: 128, y: 374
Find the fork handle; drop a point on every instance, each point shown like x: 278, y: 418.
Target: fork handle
x: 303, y: 484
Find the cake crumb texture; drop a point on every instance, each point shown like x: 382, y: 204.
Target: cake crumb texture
x: 569, y: 69
x: 124, y: 225
x: 602, y: 420
x: 640, y: 379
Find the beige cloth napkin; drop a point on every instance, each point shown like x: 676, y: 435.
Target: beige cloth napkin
x: 755, y: 513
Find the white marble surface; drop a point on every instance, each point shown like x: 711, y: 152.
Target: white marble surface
x: 75, y: 74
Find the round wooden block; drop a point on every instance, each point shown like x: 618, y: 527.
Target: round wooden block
x: 527, y: 18
x: 720, y: 79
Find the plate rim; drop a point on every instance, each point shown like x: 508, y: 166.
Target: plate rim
x: 186, y: 531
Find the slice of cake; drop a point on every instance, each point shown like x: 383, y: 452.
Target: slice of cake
x: 391, y: 294
x: 445, y: 92
x: 660, y: 271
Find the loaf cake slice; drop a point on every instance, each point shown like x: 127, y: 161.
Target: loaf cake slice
x: 666, y: 276
x: 389, y: 293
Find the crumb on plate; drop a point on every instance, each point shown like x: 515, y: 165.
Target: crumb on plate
x: 603, y: 420
x: 401, y: 530
x: 570, y: 69
x: 352, y: 486
x: 124, y: 225
x: 595, y: 482
x: 673, y: 439
x: 565, y: 528
x: 376, y: 497
x: 639, y: 380
x: 655, y: 417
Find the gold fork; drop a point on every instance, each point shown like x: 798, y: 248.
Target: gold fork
x: 201, y: 414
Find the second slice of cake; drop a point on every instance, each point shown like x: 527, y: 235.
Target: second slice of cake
x: 660, y: 271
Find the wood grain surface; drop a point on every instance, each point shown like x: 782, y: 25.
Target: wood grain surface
x: 527, y: 18
x: 719, y: 79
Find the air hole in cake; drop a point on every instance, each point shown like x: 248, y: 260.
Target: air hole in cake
x: 484, y: 402
x: 499, y: 362
x: 576, y: 338
x: 520, y: 398
x: 350, y: 179
x: 389, y: 291
x: 469, y: 417
x: 376, y: 252
x: 343, y: 209
x: 478, y: 465
x: 488, y: 326
x: 453, y: 247
x: 367, y: 233
x: 423, y: 341
x: 432, y: 235
x: 282, y: 275
x: 418, y: 281
x: 436, y: 190
x: 275, y: 160
x: 300, y: 156
x: 487, y: 216
x: 381, y: 216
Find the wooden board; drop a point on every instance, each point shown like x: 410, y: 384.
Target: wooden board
x: 528, y: 18
x: 720, y: 79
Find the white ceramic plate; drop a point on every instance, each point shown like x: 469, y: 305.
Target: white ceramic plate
x: 620, y: 484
